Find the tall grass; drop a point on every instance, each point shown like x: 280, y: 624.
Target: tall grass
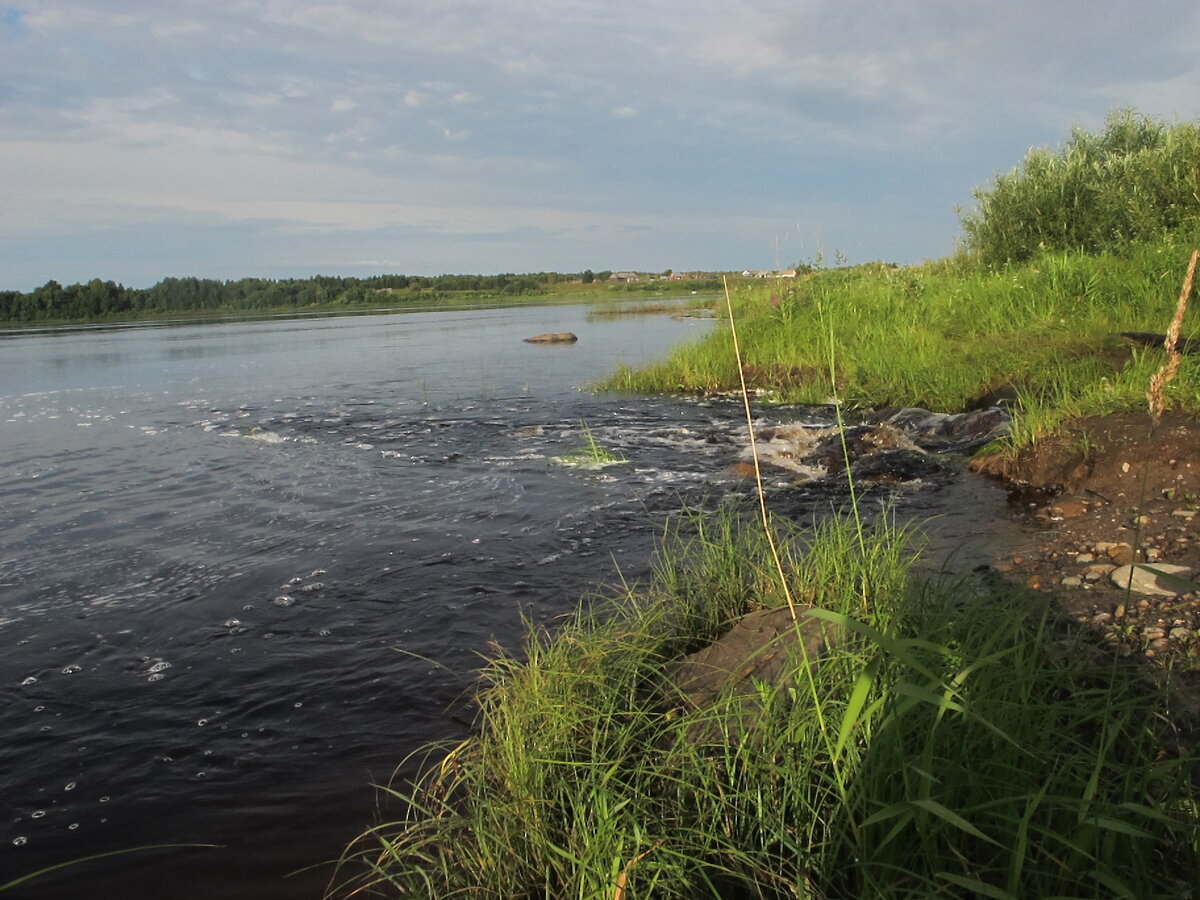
x: 946, y: 333
x: 944, y: 746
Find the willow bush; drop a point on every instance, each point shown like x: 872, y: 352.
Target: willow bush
x: 1138, y: 179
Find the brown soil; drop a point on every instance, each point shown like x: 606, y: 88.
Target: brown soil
x: 1112, y: 491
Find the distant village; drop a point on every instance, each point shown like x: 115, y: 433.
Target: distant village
x: 632, y: 277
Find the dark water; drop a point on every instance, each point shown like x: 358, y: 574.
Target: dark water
x: 248, y: 567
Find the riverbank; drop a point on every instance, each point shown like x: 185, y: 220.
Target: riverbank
x: 1109, y: 492
x: 807, y: 718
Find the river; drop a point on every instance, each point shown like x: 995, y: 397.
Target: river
x: 248, y: 567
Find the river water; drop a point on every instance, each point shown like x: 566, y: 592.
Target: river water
x: 248, y: 567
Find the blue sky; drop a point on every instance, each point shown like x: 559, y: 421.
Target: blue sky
x: 229, y: 138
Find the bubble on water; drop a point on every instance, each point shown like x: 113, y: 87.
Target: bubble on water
x: 232, y: 623
x: 247, y: 607
x: 37, y: 814
x: 157, y: 676
x: 70, y: 787
x: 292, y: 582
x: 104, y: 799
x: 310, y: 588
x: 202, y: 722
x: 324, y: 632
x: 45, y: 728
x: 284, y: 600
x: 20, y: 841
x: 201, y: 774
x: 297, y: 704
x: 167, y: 759
x: 72, y: 826
x: 71, y: 669
x: 28, y: 681
x: 39, y: 709
x: 159, y: 666
x: 316, y: 573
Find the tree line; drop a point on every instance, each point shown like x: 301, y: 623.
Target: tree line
x: 106, y: 299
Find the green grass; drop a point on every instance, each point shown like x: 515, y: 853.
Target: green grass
x: 942, y: 334
x: 592, y: 454
x: 950, y: 745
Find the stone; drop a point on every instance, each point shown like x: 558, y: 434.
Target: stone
x: 1071, y: 581
x: 1121, y: 554
x: 1068, y: 509
x: 763, y: 647
x: 1097, y: 571
x: 1085, y: 558
x: 561, y: 337
x: 1143, y: 579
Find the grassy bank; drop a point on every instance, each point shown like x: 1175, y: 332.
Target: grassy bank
x: 942, y: 744
x: 948, y: 333
x: 1060, y: 256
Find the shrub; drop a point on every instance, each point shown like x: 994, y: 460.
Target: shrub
x: 1135, y: 181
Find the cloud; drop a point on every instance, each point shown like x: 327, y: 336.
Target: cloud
x: 464, y: 117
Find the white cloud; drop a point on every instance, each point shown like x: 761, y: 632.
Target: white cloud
x: 470, y: 115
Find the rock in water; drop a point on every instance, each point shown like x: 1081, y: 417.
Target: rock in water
x: 560, y: 337
x: 1149, y: 580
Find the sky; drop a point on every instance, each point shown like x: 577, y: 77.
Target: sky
x: 289, y: 138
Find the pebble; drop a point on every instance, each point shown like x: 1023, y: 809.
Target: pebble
x: 1071, y: 581
x: 1121, y: 554
x: 1098, y: 571
x: 1085, y: 558
x: 1179, y: 634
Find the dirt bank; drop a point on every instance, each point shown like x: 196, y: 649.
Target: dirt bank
x: 1109, y: 492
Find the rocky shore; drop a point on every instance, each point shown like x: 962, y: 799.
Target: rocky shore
x: 1113, y: 493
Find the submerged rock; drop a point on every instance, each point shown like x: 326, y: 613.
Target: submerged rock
x: 560, y: 337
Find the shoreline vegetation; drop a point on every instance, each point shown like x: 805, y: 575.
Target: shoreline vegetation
x: 883, y: 734
x: 103, y: 302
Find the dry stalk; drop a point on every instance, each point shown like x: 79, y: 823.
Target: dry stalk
x: 620, y: 887
x: 758, y: 481
x: 1169, y: 369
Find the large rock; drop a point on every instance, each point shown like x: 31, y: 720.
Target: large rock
x: 1146, y: 578
x: 558, y: 337
x: 763, y: 647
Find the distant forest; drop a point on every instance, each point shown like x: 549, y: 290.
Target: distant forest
x: 99, y: 300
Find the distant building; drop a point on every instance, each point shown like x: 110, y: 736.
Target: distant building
x: 768, y: 273
x: 624, y: 276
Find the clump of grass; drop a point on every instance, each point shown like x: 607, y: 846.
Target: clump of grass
x: 945, y: 746
x: 592, y: 453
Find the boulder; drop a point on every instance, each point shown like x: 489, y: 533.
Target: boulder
x: 763, y: 647
x: 560, y: 337
x: 1158, y: 580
